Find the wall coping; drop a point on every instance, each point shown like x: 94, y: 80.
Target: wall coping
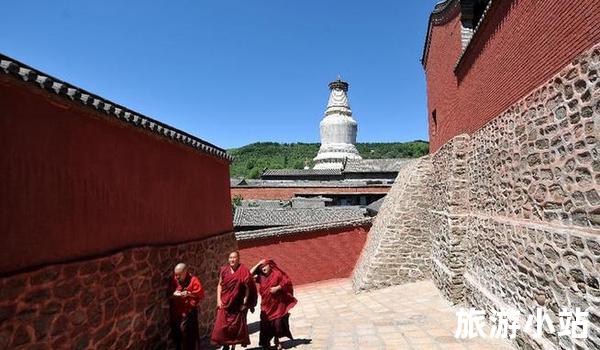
x: 41, y: 80
x: 469, y: 46
x: 441, y: 14
x: 299, y: 229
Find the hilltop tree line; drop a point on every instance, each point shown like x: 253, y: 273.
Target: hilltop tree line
x: 251, y: 160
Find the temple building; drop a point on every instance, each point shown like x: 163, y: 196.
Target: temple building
x: 338, y: 130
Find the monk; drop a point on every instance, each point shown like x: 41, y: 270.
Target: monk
x: 236, y: 293
x: 277, y: 298
x: 185, y: 292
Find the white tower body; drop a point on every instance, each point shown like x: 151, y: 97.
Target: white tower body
x: 338, y: 130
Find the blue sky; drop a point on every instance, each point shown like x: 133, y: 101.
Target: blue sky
x: 235, y: 72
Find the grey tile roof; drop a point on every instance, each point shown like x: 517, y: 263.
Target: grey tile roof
x: 442, y: 12
x: 302, y: 172
x: 268, y: 217
x: 10, y: 66
x: 314, y: 183
x: 375, y: 206
x: 234, y: 181
x: 375, y: 165
x: 264, y: 203
x: 475, y: 32
x: 293, y: 230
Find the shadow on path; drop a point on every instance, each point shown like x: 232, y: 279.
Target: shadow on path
x: 287, y: 344
x: 253, y: 327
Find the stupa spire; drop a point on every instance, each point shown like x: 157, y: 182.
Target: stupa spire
x: 338, y: 129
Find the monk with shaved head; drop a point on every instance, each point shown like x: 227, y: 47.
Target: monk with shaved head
x: 185, y: 292
x: 236, y: 293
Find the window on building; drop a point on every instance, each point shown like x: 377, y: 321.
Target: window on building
x: 434, y: 122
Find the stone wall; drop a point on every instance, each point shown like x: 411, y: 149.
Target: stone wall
x: 112, y: 302
x: 513, y: 210
x: 534, y: 229
x: 398, y: 247
x: 447, y: 216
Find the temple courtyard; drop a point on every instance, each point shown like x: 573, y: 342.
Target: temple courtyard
x: 411, y: 316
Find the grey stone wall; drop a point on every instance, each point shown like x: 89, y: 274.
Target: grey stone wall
x: 513, y: 210
x: 447, y: 216
x: 398, y: 248
x: 534, y: 225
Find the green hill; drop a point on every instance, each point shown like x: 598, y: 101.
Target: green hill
x: 252, y: 159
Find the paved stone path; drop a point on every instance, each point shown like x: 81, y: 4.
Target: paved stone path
x: 411, y: 316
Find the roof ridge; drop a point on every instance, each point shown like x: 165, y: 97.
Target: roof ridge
x: 11, y: 66
x: 300, y: 228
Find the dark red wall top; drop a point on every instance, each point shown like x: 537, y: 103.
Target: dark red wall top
x: 74, y: 183
x: 520, y: 44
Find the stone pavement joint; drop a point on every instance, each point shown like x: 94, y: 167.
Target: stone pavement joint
x: 410, y: 316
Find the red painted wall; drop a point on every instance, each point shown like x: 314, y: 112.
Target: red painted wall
x: 520, y: 45
x: 285, y: 193
x: 310, y: 257
x: 75, y: 183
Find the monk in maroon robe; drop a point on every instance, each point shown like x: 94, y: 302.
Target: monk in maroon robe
x: 277, y: 298
x: 185, y: 292
x: 236, y: 293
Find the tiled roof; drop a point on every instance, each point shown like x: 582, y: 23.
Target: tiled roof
x: 299, y: 229
x: 442, y: 12
x: 296, y: 202
x: 264, y: 203
x: 234, y: 181
x: 375, y: 165
x: 267, y: 217
x: 70, y: 92
x: 475, y: 31
x: 375, y: 206
x: 314, y: 183
x: 301, y: 172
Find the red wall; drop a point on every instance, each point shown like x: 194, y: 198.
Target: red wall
x: 520, y: 45
x: 310, y: 257
x: 285, y: 193
x: 75, y: 183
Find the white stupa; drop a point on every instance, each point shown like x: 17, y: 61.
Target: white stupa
x: 338, y: 130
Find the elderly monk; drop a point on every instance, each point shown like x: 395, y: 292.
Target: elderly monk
x: 185, y: 292
x: 236, y: 293
x: 277, y: 298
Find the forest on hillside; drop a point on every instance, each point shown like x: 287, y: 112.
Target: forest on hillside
x: 250, y: 160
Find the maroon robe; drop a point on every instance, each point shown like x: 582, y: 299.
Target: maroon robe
x: 230, y: 323
x: 184, y: 312
x: 275, y: 307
